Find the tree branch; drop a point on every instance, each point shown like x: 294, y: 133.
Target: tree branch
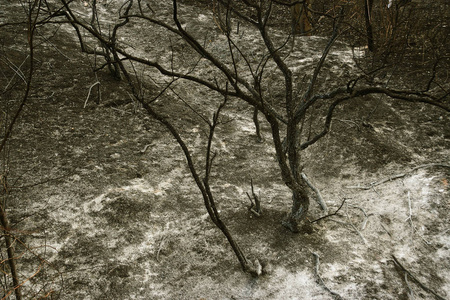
x: 425, y: 288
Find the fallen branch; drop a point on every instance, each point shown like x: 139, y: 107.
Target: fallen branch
x: 89, y: 93
x: 410, y: 212
x: 358, y: 232
x: 319, y: 279
x: 144, y: 149
x: 257, y: 205
x: 411, y: 292
x: 319, y: 195
x: 366, y: 216
x: 387, y: 231
x: 409, y: 218
x: 159, y: 248
x: 353, y: 227
x: 121, y: 110
x: 391, y: 178
x: 329, y: 215
x: 349, y: 123
x: 416, y: 280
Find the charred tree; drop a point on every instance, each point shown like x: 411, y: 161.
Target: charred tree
x: 368, y: 4
x: 243, y: 75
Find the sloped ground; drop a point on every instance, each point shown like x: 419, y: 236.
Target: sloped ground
x: 111, y: 222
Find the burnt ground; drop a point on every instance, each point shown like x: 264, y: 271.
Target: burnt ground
x: 95, y: 218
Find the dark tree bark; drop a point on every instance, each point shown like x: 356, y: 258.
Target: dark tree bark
x: 286, y: 116
x: 301, y: 17
x: 11, y: 253
x: 368, y: 4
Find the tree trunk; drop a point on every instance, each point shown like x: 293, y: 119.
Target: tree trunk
x: 257, y: 127
x: 368, y: 16
x: 300, y: 199
x: 10, y: 251
x: 301, y: 17
x: 300, y: 207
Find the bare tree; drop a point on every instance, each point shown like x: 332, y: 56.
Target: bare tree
x: 18, y: 70
x: 299, y: 118
x: 33, y: 9
x: 368, y: 4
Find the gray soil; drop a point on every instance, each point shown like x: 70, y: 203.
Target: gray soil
x: 96, y: 217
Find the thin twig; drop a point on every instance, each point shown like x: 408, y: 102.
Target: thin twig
x: 145, y: 149
x: 43, y: 98
x: 376, y: 192
x: 319, y: 278
x: 411, y: 221
x: 56, y: 48
x: 350, y: 122
x: 363, y: 225
x: 121, y: 110
x: 366, y: 216
x: 411, y: 293
x: 416, y: 280
x: 358, y: 232
x: 159, y: 248
x: 387, y: 231
x: 329, y: 215
x: 90, y: 89
x: 17, y: 71
x: 354, y: 227
x: 257, y: 204
x: 410, y: 211
x: 373, y: 184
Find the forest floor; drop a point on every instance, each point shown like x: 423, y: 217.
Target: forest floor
x: 104, y: 201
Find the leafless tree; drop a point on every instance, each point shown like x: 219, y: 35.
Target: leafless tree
x: 32, y: 9
x: 16, y: 88
x: 299, y: 118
